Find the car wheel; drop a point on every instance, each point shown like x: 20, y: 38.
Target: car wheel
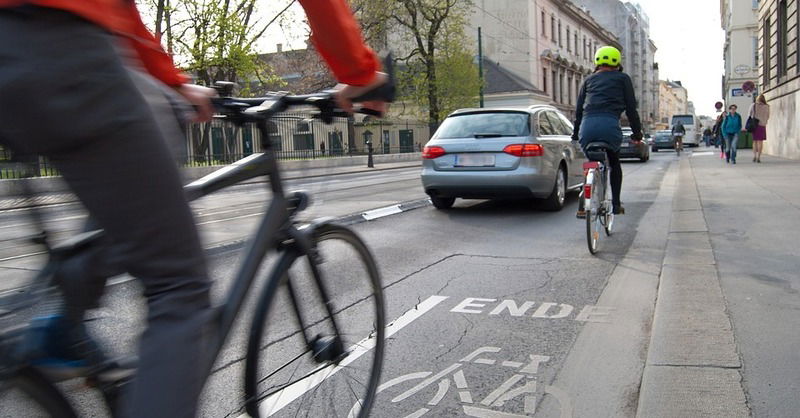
x: 555, y: 201
x: 443, y: 202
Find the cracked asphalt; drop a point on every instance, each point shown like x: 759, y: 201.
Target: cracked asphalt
x: 517, y: 282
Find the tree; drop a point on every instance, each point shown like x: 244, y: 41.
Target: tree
x: 439, y: 74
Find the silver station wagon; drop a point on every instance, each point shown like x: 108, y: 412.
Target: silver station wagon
x: 502, y: 153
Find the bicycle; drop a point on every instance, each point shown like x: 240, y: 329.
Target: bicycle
x: 304, y: 364
x: 596, y: 195
x: 678, y: 144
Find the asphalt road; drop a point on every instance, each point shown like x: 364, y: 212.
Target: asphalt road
x: 493, y: 294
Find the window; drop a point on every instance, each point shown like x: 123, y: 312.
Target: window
x: 485, y: 124
x: 558, y: 124
x: 755, y: 53
x: 560, y: 41
x: 545, y: 128
x: 576, y: 43
x: 561, y: 87
x: 553, y: 28
x: 569, y: 89
x: 783, y: 32
x: 585, y: 55
x: 569, y: 48
x: 767, y: 51
x: 544, y: 80
x: 544, y: 30
x: 555, y: 85
x: 755, y: 4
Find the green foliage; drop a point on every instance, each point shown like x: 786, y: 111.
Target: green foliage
x: 438, y: 74
x: 214, y: 39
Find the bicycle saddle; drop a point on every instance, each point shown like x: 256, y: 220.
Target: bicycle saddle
x: 596, y: 151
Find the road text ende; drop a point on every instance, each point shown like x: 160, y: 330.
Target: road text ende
x: 544, y: 310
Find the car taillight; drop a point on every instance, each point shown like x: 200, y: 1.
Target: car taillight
x: 524, y: 150
x: 432, y: 152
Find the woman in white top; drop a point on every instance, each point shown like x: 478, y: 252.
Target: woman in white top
x: 760, y: 111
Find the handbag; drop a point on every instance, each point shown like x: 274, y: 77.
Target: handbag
x: 752, y: 122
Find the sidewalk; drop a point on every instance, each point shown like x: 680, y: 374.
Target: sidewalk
x: 724, y: 340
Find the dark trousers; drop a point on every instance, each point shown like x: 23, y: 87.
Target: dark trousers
x: 66, y: 94
x: 605, y: 128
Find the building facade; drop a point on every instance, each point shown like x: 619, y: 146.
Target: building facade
x: 547, y: 44
x: 739, y: 21
x: 673, y: 100
x: 631, y: 26
x: 779, y: 74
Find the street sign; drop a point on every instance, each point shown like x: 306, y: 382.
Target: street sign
x: 742, y: 69
x: 718, y: 105
x: 737, y: 92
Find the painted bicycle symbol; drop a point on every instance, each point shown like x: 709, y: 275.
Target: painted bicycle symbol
x: 522, y: 384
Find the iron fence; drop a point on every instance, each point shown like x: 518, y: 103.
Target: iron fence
x: 293, y: 136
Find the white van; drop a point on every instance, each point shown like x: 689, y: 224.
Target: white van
x: 692, y: 126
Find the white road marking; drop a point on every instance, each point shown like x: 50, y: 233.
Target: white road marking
x: 284, y: 397
x: 703, y: 153
x: 381, y: 212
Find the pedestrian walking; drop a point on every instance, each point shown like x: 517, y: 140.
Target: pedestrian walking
x: 719, y: 142
x: 707, y: 136
x: 731, y: 126
x: 760, y: 112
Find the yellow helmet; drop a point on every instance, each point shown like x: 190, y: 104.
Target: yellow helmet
x: 608, y: 55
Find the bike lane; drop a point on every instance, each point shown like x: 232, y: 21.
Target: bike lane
x: 560, y: 334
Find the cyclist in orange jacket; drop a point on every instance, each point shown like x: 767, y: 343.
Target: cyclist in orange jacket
x: 84, y: 83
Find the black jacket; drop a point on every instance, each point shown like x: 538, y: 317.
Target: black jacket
x: 608, y: 92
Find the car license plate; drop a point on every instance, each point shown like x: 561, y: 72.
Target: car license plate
x: 474, y: 160
x: 626, y: 144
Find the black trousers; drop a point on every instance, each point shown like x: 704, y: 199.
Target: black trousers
x: 66, y: 93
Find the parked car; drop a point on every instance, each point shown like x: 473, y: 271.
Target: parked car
x: 629, y: 149
x: 663, y: 140
x: 502, y: 152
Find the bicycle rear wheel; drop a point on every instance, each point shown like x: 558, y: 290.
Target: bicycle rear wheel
x: 593, y: 208
x: 26, y: 393
x: 286, y: 375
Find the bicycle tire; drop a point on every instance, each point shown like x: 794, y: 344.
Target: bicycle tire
x: 592, y: 208
x: 608, y: 211
x: 362, y: 328
x: 26, y: 392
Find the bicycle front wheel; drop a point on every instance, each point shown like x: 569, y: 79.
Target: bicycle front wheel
x: 593, y: 208
x: 27, y: 393
x: 315, y: 356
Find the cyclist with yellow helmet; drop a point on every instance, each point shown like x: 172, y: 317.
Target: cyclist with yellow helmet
x: 603, y: 97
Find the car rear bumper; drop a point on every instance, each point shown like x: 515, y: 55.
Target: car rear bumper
x: 521, y: 182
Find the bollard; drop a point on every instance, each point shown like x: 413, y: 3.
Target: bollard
x: 369, y: 155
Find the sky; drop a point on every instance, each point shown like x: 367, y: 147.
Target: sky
x: 690, y: 41
x: 687, y: 33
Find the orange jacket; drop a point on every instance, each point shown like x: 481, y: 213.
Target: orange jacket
x: 336, y: 36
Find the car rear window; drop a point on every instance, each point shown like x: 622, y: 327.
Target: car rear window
x: 683, y: 120
x: 485, y: 124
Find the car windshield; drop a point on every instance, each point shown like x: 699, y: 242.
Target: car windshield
x: 485, y: 125
x: 683, y: 120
